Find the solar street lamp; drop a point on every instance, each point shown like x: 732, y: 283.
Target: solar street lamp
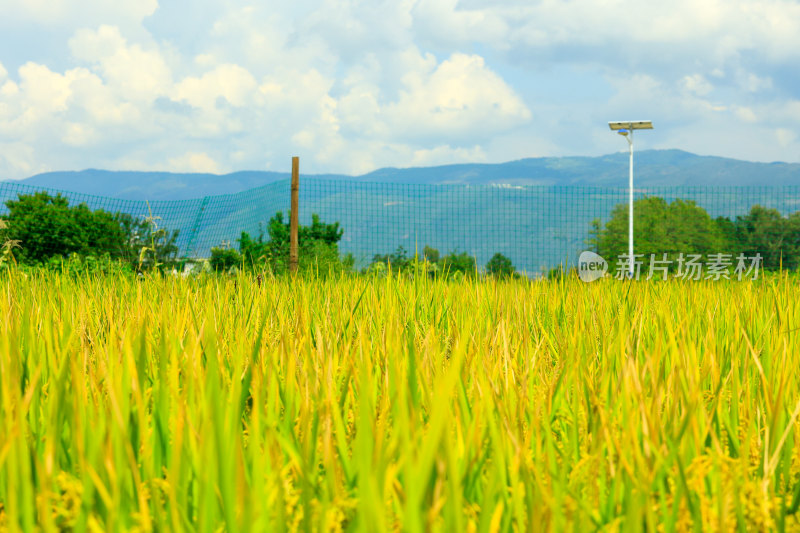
x: 626, y: 129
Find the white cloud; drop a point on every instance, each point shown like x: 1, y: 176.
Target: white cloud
x: 46, y: 92
x: 51, y: 13
x: 100, y: 102
x: 745, y: 114
x: 136, y: 73
x: 360, y: 110
x: 722, y: 28
x: 754, y: 83
x: 19, y: 159
x: 636, y: 90
x: 786, y: 137
x: 194, y: 162
x: 698, y: 84
x: 444, y: 20
x: 9, y: 89
x: 46, y: 106
x: 460, y: 98
x: 232, y: 83
x: 351, y: 85
x: 264, y: 40
x: 77, y: 134
x: 442, y: 155
x: 352, y: 28
x: 297, y: 106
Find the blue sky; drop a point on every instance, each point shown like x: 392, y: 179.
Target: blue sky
x: 350, y: 86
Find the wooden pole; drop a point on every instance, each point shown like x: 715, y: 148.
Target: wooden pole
x: 294, y: 217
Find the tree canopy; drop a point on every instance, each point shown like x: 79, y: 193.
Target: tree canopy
x: 46, y: 226
x: 500, y: 266
x: 684, y: 227
x: 317, y: 243
x: 455, y: 263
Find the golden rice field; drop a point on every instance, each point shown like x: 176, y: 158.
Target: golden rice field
x: 387, y: 404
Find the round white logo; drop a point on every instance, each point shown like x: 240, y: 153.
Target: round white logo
x: 591, y: 266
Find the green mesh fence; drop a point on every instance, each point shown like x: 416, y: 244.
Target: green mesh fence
x: 536, y: 227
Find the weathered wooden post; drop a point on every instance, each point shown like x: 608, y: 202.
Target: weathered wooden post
x: 294, y: 216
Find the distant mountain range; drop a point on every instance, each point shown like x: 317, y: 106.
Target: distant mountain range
x: 653, y: 168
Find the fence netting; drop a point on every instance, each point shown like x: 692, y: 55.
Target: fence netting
x: 537, y: 227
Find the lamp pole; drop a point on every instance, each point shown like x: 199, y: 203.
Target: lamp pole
x: 626, y: 129
x: 629, y: 138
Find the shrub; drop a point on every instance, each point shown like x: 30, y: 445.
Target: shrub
x: 224, y: 259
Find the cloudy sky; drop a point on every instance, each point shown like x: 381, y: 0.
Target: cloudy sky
x: 354, y: 85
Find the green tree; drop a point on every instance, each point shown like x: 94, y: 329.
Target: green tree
x: 254, y: 251
x: 767, y: 232
x: 728, y: 231
x: 684, y: 227
x: 426, y: 264
x: 223, y: 259
x: 398, y: 260
x: 458, y: 263
x: 430, y: 254
x: 595, y: 233
x: 500, y: 266
x: 317, y: 246
x: 453, y: 264
x: 678, y: 227
x: 46, y: 226
x: 148, y: 245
